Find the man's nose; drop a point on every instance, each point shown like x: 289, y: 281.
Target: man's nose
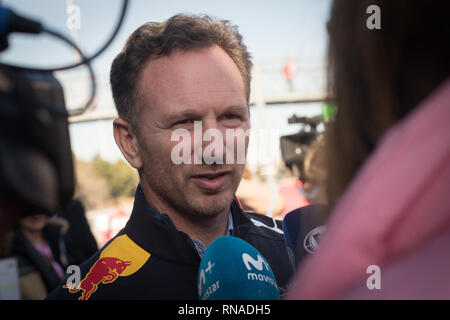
x: 212, y: 144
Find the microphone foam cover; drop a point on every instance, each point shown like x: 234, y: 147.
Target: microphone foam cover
x: 232, y: 269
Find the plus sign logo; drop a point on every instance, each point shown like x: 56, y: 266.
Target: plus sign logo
x: 202, y: 276
x: 209, y: 267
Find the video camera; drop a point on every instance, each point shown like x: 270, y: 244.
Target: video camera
x: 295, y: 147
x: 35, y: 155
x: 36, y: 166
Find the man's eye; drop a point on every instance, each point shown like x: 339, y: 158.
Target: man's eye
x: 184, y: 121
x: 231, y: 116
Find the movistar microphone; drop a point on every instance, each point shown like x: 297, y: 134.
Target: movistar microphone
x: 303, y: 228
x: 232, y: 269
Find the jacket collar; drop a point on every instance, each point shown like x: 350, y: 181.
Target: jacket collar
x: 156, y: 233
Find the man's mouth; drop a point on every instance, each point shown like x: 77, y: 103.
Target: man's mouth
x: 211, y: 181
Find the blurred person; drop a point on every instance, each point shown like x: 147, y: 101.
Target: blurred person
x: 308, y: 187
x: 258, y: 197
x: 388, y: 150
x: 292, y: 191
x: 169, y: 75
x: 79, y: 240
x: 315, y: 172
x: 36, y: 245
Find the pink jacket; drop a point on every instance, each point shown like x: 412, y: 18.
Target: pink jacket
x: 395, y: 214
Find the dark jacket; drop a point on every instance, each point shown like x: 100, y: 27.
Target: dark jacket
x: 31, y: 261
x: 151, y: 259
x: 79, y: 240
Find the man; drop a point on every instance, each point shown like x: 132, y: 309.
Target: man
x: 172, y: 77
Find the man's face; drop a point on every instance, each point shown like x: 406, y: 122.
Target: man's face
x: 176, y: 91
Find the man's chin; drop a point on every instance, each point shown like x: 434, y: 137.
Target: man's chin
x: 210, y: 205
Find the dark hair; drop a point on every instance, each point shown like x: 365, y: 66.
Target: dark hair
x: 156, y: 39
x: 378, y: 76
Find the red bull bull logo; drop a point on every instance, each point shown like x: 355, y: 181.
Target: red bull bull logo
x: 122, y: 257
x: 104, y: 271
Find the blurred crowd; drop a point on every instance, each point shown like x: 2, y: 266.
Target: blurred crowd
x: 45, y: 246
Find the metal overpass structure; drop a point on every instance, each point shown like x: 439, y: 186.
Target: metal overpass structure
x: 274, y: 82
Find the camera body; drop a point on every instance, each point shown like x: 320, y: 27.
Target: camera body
x: 36, y: 166
x: 295, y: 147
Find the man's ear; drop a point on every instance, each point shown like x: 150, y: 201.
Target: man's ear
x: 127, y: 142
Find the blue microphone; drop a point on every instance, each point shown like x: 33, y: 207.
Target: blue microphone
x: 232, y: 269
x: 303, y: 228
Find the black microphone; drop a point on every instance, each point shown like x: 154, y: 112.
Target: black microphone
x: 303, y: 228
x: 12, y: 22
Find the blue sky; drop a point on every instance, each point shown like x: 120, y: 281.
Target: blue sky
x: 272, y: 30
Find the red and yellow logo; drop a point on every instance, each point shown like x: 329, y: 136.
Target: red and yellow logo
x: 121, y: 258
